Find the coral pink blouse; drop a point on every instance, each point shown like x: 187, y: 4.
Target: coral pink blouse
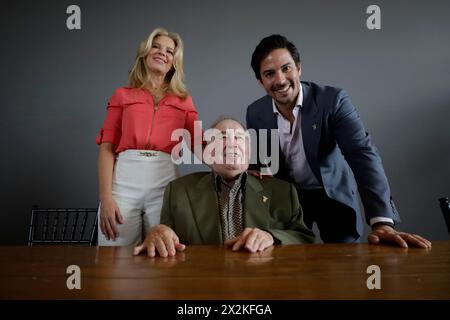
x: 132, y: 123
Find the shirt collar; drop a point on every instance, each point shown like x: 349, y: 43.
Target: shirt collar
x: 218, y: 181
x: 298, y: 104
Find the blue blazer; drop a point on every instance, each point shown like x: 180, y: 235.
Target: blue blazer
x: 338, y: 150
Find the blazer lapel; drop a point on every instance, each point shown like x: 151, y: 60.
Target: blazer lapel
x: 311, y: 128
x: 271, y: 122
x: 256, y: 204
x: 204, y: 204
x: 267, y: 116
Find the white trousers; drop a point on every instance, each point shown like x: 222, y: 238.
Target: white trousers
x: 139, y: 180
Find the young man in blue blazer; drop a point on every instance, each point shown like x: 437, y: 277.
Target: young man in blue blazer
x: 324, y: 150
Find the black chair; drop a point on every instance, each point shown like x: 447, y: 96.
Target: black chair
x: 445, y: 208
x: 63, y: 226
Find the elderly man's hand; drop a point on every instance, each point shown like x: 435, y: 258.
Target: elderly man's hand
x: 160, y: 240
x: 387, y: 234
x: 252, y: 239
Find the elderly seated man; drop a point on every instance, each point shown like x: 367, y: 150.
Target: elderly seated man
x: 227, y: 206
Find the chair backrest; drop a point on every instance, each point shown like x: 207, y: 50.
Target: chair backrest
x: 63, y: 226
x: 445, y: 208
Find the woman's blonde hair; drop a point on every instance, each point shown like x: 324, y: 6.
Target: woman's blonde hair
x: 139, y: 75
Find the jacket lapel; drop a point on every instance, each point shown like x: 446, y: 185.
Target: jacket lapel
x: 270, y: 122
x: 204, y: 204
x: 311, y: 128
x: 256, y: 204
x: 269, y: 119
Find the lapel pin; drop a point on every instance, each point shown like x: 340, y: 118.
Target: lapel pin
x: 314, y: 126
x: 265, y: 199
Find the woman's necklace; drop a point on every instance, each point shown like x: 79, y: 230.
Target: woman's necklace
x: 158, y: 94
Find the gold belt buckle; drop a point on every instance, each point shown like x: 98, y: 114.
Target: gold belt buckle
x: 148, y: 153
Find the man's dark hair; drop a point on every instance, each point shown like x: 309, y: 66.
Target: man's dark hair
x: 267, y: 45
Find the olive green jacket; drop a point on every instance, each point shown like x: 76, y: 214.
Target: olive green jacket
x: 191, y: 209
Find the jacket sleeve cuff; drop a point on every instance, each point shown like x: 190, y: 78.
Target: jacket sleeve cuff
x: 107, y: 136
x: 381, y: 220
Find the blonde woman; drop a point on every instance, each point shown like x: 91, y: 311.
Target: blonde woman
x: 134, y: 164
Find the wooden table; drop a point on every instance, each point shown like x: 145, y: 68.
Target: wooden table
x: 314, y: 271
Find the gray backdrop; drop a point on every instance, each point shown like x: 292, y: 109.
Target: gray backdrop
x: 55, y: 84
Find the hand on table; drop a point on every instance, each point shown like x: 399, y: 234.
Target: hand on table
x: 252, y: 239
x: 161, y: 240
x: 387, y: 234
